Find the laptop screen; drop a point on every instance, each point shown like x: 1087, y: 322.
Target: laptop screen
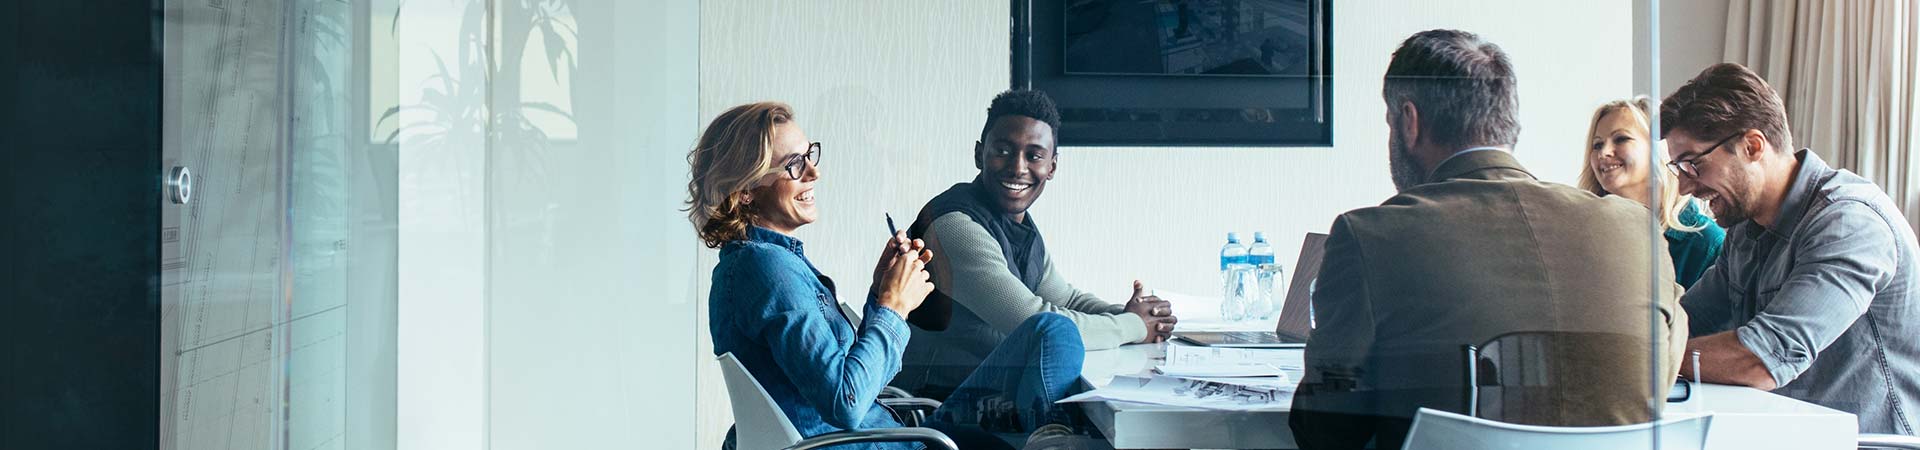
x: 1296, y: 317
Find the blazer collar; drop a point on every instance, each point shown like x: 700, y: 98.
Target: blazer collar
x: 1480, y: 165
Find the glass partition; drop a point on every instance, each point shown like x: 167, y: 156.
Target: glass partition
x: 482, y: 186
x: 460, y: 224
x: 225, y: 312
x: 279, y: 301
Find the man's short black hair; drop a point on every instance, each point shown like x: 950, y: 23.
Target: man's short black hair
x: 1032, y: 104
x: 1463, y: 88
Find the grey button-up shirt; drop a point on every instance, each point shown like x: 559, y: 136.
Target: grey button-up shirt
x: 1824, y: 298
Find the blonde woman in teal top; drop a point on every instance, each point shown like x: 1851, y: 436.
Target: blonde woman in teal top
x: 1617, y: 163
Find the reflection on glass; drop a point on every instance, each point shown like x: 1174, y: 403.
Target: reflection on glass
x: 222, y: 303
x: 277, y: 306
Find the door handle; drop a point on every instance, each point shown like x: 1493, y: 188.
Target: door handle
x: 180, y: 185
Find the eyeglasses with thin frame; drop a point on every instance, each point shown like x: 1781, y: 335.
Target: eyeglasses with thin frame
x: 810, y: 158
x: 1691, y: 166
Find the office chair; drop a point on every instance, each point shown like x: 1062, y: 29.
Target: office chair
x: 1441, y: 430
x: 1549, y: 378
x: 910, y: 410
x: 1889, y: 441
x: 1516, y: 386
x: 759, y: 424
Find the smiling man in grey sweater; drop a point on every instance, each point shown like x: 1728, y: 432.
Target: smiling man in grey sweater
x: 990, y: 264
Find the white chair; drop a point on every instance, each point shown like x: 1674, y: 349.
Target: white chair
x: 853, y: 316
x: 760, y: 425
x: 1441, y: 430
x: 1889, y: 441
x: 911, y: 410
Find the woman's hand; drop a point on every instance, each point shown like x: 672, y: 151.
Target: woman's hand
x: 900, y: 280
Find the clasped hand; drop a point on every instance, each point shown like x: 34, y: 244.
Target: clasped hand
x: 1157, y: 314
x: 900, y: 280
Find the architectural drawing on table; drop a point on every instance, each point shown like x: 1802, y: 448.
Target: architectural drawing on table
x: 1201, y: 389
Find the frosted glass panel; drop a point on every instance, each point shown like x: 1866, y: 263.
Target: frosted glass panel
x: 278, y: 299
x: 222, y: 301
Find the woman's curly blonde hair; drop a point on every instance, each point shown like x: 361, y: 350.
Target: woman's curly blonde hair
x: 731, y: 157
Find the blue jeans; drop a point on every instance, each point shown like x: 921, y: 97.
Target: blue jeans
x: 1013, y: 390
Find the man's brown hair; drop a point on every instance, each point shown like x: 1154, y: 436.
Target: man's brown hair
x: 1724, y: 99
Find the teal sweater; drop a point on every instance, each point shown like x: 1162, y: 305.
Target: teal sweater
x: 1694, y: 251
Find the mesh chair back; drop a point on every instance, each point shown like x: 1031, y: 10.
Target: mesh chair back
x: 1553, y: 378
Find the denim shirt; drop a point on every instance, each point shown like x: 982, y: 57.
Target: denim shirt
x: 1825, y: 298
x: 775, y: 312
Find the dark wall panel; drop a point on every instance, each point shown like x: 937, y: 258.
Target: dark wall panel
x: 80, y: 111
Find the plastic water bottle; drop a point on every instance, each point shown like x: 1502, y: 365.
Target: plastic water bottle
x: 1312, y: 320
x: 1260, y: 252
x: 1260, y: 260
x: 1263, y: 303
x: 1233, y: 263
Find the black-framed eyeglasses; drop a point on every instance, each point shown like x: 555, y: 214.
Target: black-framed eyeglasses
x: 1691, y: 166
x: 810, y: 158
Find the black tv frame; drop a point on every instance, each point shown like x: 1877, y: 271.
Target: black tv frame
x: 1038, y: 59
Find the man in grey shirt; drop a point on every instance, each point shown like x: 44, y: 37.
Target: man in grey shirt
x: 1812, y: 295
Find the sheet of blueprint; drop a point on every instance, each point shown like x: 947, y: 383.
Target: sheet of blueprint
x: 1205, y: 393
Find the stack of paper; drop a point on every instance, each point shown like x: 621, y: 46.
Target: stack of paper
x: 1186, y: 355
x: 1221, y: 370
x: 1193, y: 393
x: 1210, y: 378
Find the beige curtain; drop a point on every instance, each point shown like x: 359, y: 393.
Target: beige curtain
x: 1846, y: 71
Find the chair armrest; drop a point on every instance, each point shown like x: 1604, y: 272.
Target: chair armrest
x: 1893, y: 441
x: 911, y: 410
x: 911, y: 403
x: 893, y: 392
x: 933, y: 438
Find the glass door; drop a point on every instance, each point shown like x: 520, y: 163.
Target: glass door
x: 224, y: 271
x: 277, y: 252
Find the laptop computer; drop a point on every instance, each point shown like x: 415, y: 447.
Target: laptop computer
x: 1296, y: 318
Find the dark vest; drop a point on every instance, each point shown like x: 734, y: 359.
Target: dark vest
x: 970, y: 339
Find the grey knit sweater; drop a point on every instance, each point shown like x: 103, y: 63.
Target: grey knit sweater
x: 968, y: 266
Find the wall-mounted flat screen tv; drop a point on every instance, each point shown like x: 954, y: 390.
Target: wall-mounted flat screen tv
x: 1180, y: 72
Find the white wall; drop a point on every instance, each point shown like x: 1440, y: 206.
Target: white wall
x: 1693, y: 36
x: 591, y: 310
x: 897, y: 92
x: 1161, y: 214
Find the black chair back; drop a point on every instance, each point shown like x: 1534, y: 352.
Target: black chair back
x: 1559, y: 378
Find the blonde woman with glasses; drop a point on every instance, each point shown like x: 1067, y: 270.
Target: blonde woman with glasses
x: 1618, y: 148
x: 753, y: 177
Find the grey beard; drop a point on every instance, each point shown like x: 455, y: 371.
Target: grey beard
x: 1405, y: 173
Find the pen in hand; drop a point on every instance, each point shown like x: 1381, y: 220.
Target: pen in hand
x: 909, y: 246
x: 894, y: 232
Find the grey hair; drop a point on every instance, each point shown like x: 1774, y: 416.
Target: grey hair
x: 1464, y: 89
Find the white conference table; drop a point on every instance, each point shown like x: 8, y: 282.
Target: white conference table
x: 1743, y: 417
